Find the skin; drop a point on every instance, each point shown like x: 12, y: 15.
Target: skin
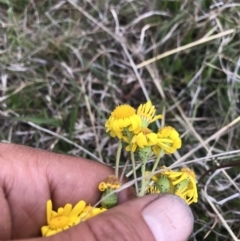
x: 29, y: 177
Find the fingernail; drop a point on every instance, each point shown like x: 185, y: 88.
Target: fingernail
x: 169, y: 218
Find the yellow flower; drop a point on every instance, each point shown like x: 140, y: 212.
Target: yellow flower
x: 63, y: 219
x: 146, y: 112
x: 168, y: 139
x: 123, y: 116
x: 184, y: 182
x: 67, y: 217
x: 143, y: 139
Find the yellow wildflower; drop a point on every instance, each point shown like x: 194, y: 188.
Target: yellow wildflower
x: 146, y: 112
x: 184, y: 182
x: 67, y: 217
x: 143, y: 139
x: 181, y: 183
x: 168, y: 139
x: 123, y: 116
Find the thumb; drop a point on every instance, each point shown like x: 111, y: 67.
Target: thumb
x: 152, y: 218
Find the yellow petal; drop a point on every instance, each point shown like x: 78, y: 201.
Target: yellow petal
x: 153, y: 138
x: 164, y: 140
x: 67, y: 209
x: 60, y: 211
x: 128, y: 148
x: 44, y: 230
x: 116, y: 126
x: 156, y: 118
x: 141, y: 140
x: 49, y: 210
x: 134, y: 147
x: 78, y: 208
x: 183, y: 177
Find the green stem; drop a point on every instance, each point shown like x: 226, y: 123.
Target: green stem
x: 118, y: 157
x: 157, y: 161
x: 143, y: 181
x: 134, y: 170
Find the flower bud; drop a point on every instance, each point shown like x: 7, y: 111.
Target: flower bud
x: 144, y: 153
x: 164, y: 184
x: 108, y: 186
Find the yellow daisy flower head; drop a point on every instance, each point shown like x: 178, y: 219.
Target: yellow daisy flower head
x: 185, y: 186
x: 142, y: 139
x: 63, y: 219
x: 123, y: 116
x: 168, y: 139
x: 184, y: 182
x: 181, y: 183
x: 67, y: 216
x: 146, y: 112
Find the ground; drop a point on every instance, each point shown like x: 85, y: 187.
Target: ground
x: 65, y: 65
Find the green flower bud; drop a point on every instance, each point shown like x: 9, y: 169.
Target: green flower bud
x: 164, y: 184
x: 144, y: 153
x: 109, y: 198
x: 107, y: 187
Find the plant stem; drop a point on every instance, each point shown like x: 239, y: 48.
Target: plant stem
x: 134, y: 170
x: 118, y: 157
x: 157, y: 161
x: 143, y: 181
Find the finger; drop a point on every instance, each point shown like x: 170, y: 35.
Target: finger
x: 152, y: 218
x: 30, y: 177
x: 68, y: 178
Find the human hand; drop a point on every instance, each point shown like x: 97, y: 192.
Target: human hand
x: 29, y: 177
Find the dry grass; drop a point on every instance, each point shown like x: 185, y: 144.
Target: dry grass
x: 66, y: 64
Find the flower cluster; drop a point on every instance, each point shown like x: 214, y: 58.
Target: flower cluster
x: 181, y: 183
x: 131, y: 126
x: 67, y: 216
